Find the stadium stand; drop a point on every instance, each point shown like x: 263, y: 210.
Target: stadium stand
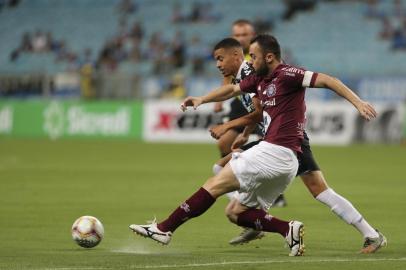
x: 339, y: 37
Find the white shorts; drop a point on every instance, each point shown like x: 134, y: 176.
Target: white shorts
x: 264, y: 172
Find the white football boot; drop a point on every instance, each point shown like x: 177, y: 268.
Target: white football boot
x: 151, y: 231
x: 371, y: 245
x: 294, y: 238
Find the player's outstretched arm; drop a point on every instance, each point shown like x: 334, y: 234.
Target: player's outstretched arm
x: 249, y: 119
x: 220, y: 94
x: 365, y: 109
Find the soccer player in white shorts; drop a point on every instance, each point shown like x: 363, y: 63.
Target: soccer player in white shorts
x: 281, y: 89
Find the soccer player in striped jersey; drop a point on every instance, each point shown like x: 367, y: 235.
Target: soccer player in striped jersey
x: 243, y: 31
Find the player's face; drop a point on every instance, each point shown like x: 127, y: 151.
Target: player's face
x: 258, y: 61
x: 243, y: 33
x: 227, y: 61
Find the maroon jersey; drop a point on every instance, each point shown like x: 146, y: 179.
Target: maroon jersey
x: 282, y: 97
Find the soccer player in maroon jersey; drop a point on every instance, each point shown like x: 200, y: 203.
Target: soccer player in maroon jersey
x: 264, y: 171
x: 308, y: 171
x: 243, y: 31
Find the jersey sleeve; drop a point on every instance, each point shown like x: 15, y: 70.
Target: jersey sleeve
x: 299, y: 78
x: 309, y: 78
x: 249, y: 84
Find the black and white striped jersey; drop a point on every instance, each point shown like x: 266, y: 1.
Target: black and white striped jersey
x: 246, y: 99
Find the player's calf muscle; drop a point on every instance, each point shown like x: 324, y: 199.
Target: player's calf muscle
x: 314, y: 182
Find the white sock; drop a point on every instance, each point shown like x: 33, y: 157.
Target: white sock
x: 216, y: 169
x: 346, y: 211
x: 366, y: 229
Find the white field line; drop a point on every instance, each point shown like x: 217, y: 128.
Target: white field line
x: 163, y: 266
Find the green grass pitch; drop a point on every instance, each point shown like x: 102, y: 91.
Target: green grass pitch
x: 45, y: 185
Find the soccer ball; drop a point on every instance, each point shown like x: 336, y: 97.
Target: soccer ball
x: 87, y: 231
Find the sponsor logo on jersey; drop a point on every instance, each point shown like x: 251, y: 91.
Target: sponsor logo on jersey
x: 290, y: 74
x: 270, y: 103
x: 293, y: 70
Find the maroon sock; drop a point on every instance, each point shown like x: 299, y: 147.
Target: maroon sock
x: 260, y: 220
x: 192, y: 207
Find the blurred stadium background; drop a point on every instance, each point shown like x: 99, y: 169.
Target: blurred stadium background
x: 75, y: 74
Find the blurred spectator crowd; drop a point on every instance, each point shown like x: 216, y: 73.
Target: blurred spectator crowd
x: 44, y: 42
x: 165, y: 54
x: 393, y: 22
x: 176, y: 52
x: 173, y: 51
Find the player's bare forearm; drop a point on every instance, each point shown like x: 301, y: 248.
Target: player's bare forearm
x: 249, y: 119
x: 326, y: 81
x: 219, y: 130
x: 222, y: 93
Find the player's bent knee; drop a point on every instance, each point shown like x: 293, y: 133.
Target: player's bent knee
x: 234, y: 209
x: 231, y: 212
x: 232, y: 217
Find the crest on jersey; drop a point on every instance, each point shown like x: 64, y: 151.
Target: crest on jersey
x: 270, y: 90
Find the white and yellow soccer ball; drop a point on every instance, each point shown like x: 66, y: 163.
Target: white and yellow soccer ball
x: 87, y: 231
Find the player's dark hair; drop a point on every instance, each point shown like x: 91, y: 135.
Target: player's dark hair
x: 268, y: 44
x: 227, y: 43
